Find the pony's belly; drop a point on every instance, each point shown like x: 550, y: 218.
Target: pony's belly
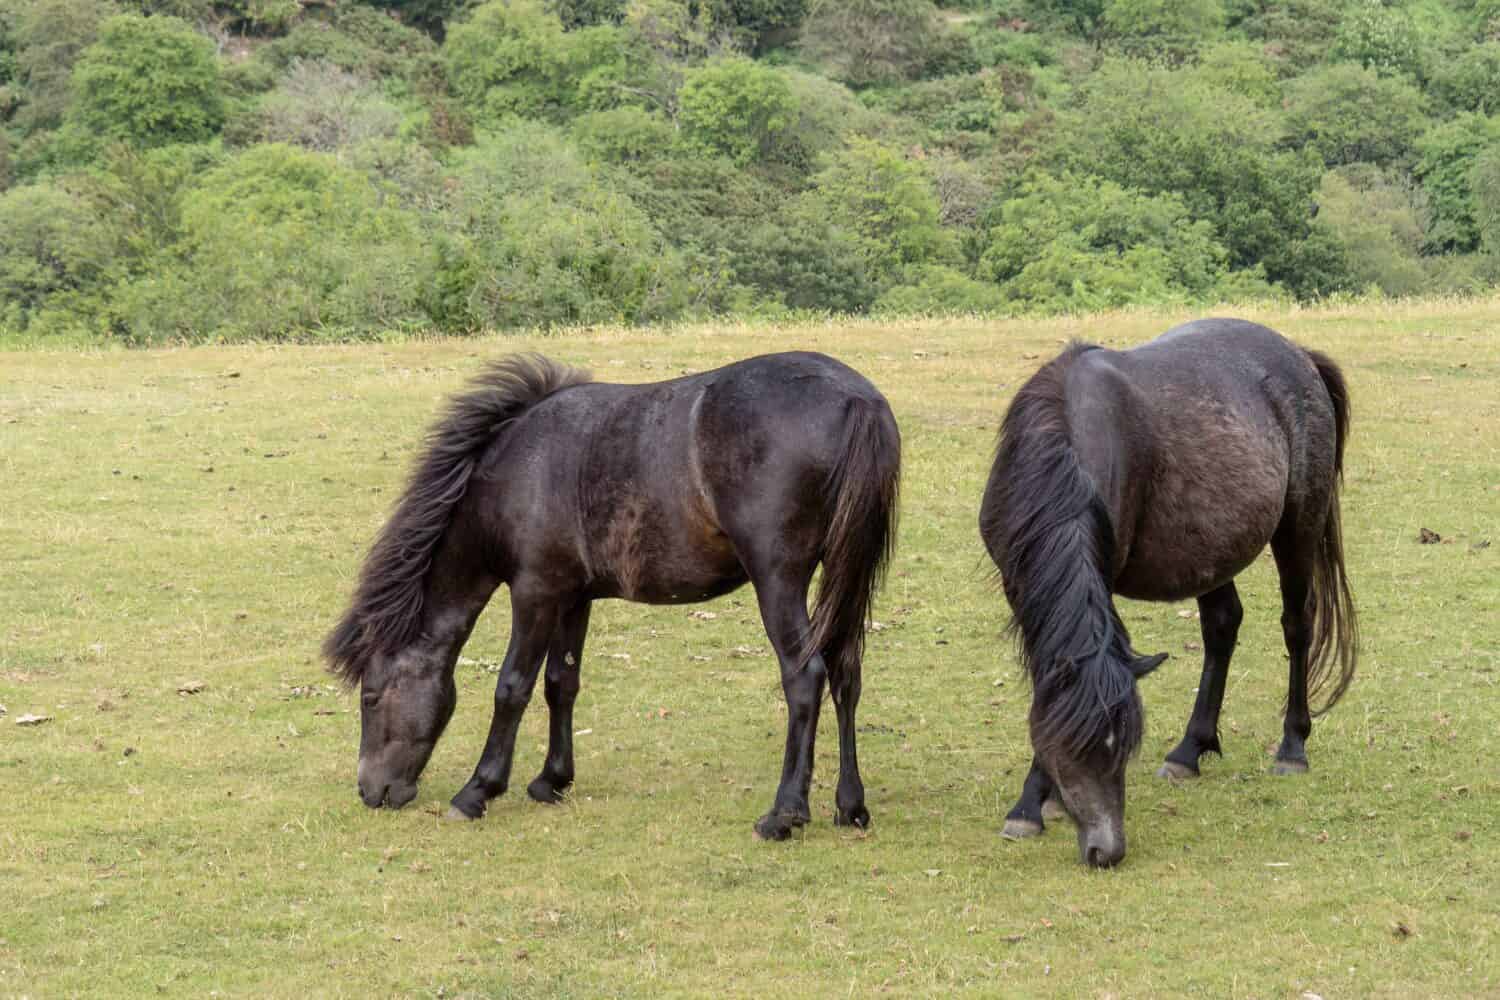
x: 1177, y: 583
x: 654, y: 554
x: 1176, y: 561
x: 687, y: 593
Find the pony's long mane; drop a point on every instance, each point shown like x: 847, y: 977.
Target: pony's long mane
x: 1054, y: 542
x: 386, y: 611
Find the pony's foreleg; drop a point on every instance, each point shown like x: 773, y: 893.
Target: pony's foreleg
x: 1219, y: 614
x: 1036, y: 804
x: 561, y: 687
x: 532, y: 627
x: 783, y: 608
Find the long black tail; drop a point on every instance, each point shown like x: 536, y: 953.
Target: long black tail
x: 863, y: 491
x: 1335, y: 629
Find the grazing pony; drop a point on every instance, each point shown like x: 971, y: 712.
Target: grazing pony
x: 1160, y: 473
x: 570, y: 491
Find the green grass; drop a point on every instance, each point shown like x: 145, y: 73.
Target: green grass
x: 171, y: 516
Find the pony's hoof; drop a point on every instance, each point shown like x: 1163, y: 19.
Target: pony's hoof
x: 457, y: 815
x: 777, y: 826
x: 1052, y: 809
x: 858, y: 816
x: 1020, y: 829
x: 1173, y: 771
x: 1282, y: 767
x: 462, y: 807
x: 544, y: 791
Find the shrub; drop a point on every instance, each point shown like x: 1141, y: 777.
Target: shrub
x: 404, y: 169
x: 53, y: 252
x: 1166, y: 29
x: 1240, y: 68
x: 710, y: 210
x: 1073, y: 243
x: 280, y: 243
x: 799, y: 260
x: 1471, y: 81
x: 826, y: 113
x: 1484, y: 182
x: 1380, y: 38
x: 736, y: 108
x: 620, y: 135
x: 358, y: 39
x: 1166, y: 131
x: 1378, y: 221
x: 888, y: 203
x: 536, y: 237
x: 864, y: 42
x: 147, y: 81
x: 1445, y: 156
x: 1295, y: 33
x: 941, y: 291
x: 49, y: 36
x: 513, y: 58
x: 322, y: 107
x: 1350, y: 114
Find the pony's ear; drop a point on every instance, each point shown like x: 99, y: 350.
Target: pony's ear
x: 1143, y: 665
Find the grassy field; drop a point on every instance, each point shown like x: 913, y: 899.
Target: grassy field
x: 171, y: 519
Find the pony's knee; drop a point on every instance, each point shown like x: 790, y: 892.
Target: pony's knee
x: 562, y: 688
x: 511, y: 694
x: 804, y: 682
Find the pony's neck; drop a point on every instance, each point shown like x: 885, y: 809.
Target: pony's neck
x: 1056, y: 543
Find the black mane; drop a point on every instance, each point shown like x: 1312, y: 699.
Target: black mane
x: 386, y: 612
x: 1054, y: 544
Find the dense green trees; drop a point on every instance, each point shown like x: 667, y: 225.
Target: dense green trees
x: 736, y: 108
x: 201, y: 169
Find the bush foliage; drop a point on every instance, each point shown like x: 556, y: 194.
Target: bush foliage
x: 183, y: 170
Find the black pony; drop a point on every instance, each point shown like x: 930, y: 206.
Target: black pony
x: 1160, y: 473
x: 569, y: 491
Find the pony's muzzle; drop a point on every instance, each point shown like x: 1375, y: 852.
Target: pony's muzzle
x: 375, y: 791
x: 1101, y: 847
x: 372, y: 795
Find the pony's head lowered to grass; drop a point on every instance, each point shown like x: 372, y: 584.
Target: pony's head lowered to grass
x: 424, y: 583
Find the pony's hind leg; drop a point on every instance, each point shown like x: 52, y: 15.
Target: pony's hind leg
x: 1219, y: 613
x: 1294, y: 563
x: 533, y: 622
x: 783, y: 609
x: 849, y: 800
x: 561, y: 687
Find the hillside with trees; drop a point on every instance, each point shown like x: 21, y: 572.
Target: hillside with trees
x: 193, y: 170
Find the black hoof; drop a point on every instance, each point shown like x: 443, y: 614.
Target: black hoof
x: 1173, y: 771
x: 543, y: 790
x: 777, y: 825
x: 466, y: 807
x: 1021, y: 829
x: 858, y: 816
x: 1289, y: 767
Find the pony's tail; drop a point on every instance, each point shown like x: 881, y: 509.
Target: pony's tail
x: 862, y: 489
x: 1335, y: 631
